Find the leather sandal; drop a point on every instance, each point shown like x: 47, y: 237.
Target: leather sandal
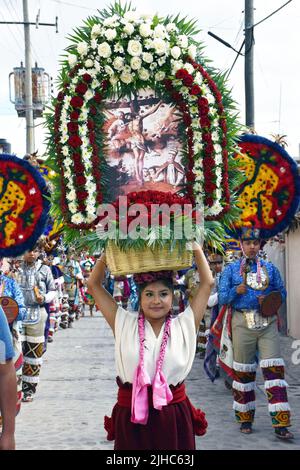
x: 283, y: 433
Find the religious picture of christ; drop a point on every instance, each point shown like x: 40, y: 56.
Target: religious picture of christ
x: 143, y: 147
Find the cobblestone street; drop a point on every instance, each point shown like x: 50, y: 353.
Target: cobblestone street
x: 78, y: 388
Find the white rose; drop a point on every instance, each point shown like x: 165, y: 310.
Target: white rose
x: 145, y: 30
x: 104, y: 50
x: 134, y: 48
x: 144, y: 74
x: 110, y: 34
x: 176, y: 52
x: 89, y: 63
x: 131, y: 16
x: 160, y: 31
x: 118, y: 63
x: 128, y: 28
x: 192, y: 51
x: 160, y: 46
x: 96, y: 30
x: 72, y: 59
x: 171, y: 27
x: 147, y: 57
x: 183, y: 41
x: 82, y: 48
x: 126, y: 77
x: 159, y: 76
x: 135, y: 63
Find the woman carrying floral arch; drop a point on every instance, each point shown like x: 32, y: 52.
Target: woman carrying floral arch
x: 154, y: 354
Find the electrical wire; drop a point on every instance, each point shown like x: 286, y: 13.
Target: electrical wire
x: 74, y: 5
x: 271, y: 14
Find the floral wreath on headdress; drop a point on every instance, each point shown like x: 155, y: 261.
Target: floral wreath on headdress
x: 147, y: 278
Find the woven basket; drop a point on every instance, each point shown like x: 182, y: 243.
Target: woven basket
x: 132, y: 261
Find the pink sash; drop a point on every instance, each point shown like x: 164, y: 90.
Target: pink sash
x: 161, y: 392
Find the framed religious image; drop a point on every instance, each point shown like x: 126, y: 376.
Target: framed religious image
x: 143, y: 147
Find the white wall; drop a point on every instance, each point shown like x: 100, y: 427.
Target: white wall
x: 293, y: 283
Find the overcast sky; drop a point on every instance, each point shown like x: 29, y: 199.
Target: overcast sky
x: 276, y: 54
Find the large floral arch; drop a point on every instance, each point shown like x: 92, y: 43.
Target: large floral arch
x: 116, y: 54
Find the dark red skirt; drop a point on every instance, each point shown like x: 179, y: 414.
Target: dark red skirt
x: 171, y: 428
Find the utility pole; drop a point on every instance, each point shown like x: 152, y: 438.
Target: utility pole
x: 28, y: 72
x: 28, y: 84
x: 249, y: 63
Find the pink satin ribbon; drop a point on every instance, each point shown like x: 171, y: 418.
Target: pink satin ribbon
x: 161, y: 393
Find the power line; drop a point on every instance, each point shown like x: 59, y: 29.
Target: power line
x: 73, y: 5
x: 271, y: 14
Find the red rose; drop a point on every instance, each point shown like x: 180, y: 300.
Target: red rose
x: 176, y: 96
x: 76, y: 102
x: 72, y: 127
x: 203, y: 111
x: 81, y: 180
x: 75, y: 141
x: 81, y: 88
x: 209, y: 163
x: 188, y: 80
x: 168, y: 84
x: 203, y: 102
x: 87, y: 78
x: 76, y: 157
x: 74, y: 115
x: 90, y: 124
x: 82, y: 195
x: 195, y: 90
x: 206, y: 137
x: 209, y: 187
x: 97, y: 97
x: 204, y: 122
x: 181, y: 73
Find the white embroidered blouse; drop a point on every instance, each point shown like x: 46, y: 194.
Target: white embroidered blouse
x: 180, y: 350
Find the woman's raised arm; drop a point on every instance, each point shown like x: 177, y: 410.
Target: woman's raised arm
x: 103, y: 299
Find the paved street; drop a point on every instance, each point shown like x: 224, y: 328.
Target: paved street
x: 78, y: 388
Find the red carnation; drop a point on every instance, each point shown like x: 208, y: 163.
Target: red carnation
x: 81, y: 180
x: 76, y: 157
x: 81, y: 88
x: 87, y: 78
x: 209, y: 201
x: 75, y: 141
x: 209, y: 187
x: 74, y: 115
x: 97, y: 97
x: 60, y: 96
x: 181, y: 73
x: 206, y: 137
x: 203, y: 111
x: 195, y: 90
x: 76, y: 102
x: 81, y: 206
x: 93, y: 110
x: 188, y: 80
x: 187, y: 119
x: 176, y: 96
x: 72, y: 127
x: 209, y: 148
x: 209, y: 163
